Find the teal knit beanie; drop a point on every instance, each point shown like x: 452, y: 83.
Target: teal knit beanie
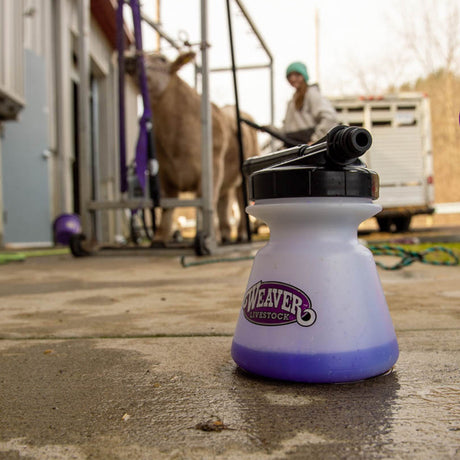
x: 298, y: 67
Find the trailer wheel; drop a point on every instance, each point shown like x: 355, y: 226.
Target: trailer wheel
x: 402, y: 223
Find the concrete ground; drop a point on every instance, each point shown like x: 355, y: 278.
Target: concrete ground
x: 127, y: 356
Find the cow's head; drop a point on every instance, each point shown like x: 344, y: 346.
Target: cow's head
x: 159, y: 70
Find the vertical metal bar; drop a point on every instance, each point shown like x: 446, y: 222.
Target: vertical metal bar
x: 206, y: 135
x: 272, y: 98
x: 121, y: 98
x: 57, y: 24
x: 95, y: 156
x: 238, y: 119
x: 317, y: 44
x: 84, y: 131
x: 158, y: 20
x: 62, y: 104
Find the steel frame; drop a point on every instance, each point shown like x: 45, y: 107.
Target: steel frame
x: 204, y: 203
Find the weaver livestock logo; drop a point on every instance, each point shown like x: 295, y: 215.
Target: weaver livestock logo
x: 270, y: 303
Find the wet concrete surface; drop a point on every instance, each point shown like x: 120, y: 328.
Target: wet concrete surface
x: 117, y: 357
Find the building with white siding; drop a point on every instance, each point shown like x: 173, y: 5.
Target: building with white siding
x: 39, y: 94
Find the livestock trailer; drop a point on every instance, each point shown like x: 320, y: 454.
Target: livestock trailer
x: 401, y: 152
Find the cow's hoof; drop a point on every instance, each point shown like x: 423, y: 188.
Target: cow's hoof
x: 177, y: 237
x: 201, y: 245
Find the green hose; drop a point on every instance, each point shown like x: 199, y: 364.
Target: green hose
x: 6, y: 257
x: 407, y: 257
x: 186, y: 264
x: 13, y: 257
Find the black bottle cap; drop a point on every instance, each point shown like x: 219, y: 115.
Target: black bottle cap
x: 310, y: 181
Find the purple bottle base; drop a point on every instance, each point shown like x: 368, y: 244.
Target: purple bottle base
x: 318, y: 368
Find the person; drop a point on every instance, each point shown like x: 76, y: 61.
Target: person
x: 309, y: 115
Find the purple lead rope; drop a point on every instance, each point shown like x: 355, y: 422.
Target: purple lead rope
x: 142, y: 148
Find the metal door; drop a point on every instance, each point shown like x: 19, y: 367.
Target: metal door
x: 26, y: 190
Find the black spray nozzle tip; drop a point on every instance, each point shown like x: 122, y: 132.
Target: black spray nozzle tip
x: 347, y: 143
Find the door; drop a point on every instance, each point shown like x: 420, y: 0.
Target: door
x: 26, y: 188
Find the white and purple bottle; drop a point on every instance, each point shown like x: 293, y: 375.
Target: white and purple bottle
x: 314, y: 309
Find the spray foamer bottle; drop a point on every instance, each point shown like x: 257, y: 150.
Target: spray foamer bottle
x: 314, y: 308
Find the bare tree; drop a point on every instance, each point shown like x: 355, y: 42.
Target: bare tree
x: 375, y: 75
x: 427, y: 36
x: 431, y: 32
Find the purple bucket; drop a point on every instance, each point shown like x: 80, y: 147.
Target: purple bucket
x: 65, y: 226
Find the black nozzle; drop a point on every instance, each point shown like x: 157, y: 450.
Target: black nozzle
x: 347, y: 144
x: 254, y: 164
x: 341, y: 146
x: 330, y: 167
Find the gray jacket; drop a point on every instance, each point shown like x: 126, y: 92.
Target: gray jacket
x: 317, y: 112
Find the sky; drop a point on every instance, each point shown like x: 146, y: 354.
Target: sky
x: 360, y: 49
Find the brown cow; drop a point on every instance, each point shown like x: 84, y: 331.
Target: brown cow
x: 176, y: 109
x: 232, y: 186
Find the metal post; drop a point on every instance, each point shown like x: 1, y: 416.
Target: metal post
x: 158, y: 20
x: 206, y: 136
x: 317, y: 44
x: 62, y: 105
x: 121, y: 98
x: 84, y: 117
x: 272, y: 99
x: 95, y: 157
x: 238, y: 120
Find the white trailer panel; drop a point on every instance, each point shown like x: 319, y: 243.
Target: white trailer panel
x: 401, y: 151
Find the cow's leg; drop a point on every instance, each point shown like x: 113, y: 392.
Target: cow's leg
x: 223, y: 213
x: 216, y: 213
x: 217, y: 177
x: 164, y: 233
x: 165, y: 229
